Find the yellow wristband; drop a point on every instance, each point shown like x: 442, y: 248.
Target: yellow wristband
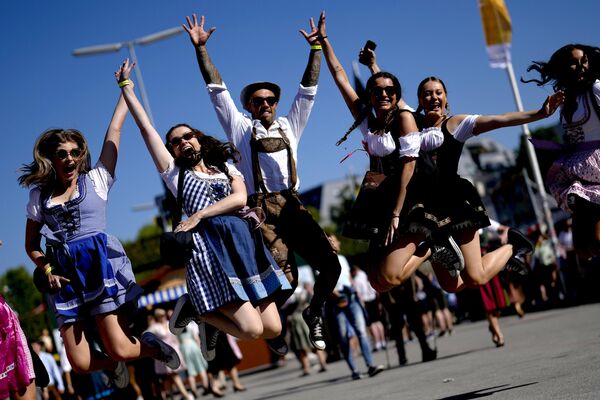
x: 316, y: 47
x: 125, y: 83
x: 47, y: 269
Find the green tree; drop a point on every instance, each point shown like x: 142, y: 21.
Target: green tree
x: 20, y: 292
x: 145, y: 248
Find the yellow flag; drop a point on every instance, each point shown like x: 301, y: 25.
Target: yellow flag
x: 497, y: 30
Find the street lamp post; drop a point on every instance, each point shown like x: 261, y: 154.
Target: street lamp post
x: 114, y: 47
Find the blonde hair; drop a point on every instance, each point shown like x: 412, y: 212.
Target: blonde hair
x: 40, y: 171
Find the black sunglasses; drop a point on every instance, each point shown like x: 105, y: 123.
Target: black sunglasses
x: 62, y: 154
x: 378, y: 90
x: 177, y: 140
x: 258, y: 101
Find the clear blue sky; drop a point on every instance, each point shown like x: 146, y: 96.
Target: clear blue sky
x: 44, y: 86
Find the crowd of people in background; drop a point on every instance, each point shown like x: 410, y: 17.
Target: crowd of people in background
x: 435, y: 258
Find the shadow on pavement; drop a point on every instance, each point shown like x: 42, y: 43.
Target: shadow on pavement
x: 488, y: 392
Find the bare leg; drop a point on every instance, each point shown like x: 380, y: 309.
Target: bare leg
x: 235, y: 379
x: 77, y: 347
x: 118, y: 342
x: 399, y: 263
x: 179, y: 384
x: 494, y: 326
x: 239, y: 319
x: 28, y: 393
x: 479, y: 270
x: 304, y: 362
x: 322, y: 359
x: 270, y: 318
x: 449, y: 283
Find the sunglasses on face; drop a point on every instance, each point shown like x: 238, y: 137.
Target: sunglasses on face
x: 62, y: 154
x: 378, y: 90
x: 176, y: 141
x: 259, y: 101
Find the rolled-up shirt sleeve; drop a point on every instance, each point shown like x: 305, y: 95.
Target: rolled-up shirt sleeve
x: 300, y: 109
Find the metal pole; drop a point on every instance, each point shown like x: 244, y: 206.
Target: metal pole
x: 140, y: 81
x: 533, y: 161
x: 534, y: 201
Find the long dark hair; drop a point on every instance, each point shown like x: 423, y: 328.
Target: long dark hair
x: 557, y: 72
x: 368, y: 108
x: 41, y: 171
x: 214, y: 152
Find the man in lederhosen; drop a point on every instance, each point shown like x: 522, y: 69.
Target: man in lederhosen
x: 268, y: 147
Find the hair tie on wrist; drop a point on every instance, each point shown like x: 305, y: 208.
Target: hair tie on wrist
x: 323, y: 37
x: 316, y: 47
x: 395, y: 216
x: 47, y: 269
x: 125, y: 83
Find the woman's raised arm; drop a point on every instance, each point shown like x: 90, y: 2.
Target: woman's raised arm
x: 112, y: 139
x: 161, y: 156
x: 337, y: 71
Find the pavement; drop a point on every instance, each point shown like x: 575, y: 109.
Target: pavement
x: 548, y: 355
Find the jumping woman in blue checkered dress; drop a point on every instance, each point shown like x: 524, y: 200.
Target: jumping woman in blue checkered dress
x: 231, y: 277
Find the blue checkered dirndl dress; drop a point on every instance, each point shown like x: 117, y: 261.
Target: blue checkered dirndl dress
x: 230, y: 261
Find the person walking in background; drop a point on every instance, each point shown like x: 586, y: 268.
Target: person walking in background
x: 347, y: 310
x: 85, y: 270
x: 160, y: 328
x: 189, y: 345
x: 369, y: 299
x: 269, y: 155
x: 56, y: 386
x: 299, y: 335
x: 401, y: 306
x: 574, y: 177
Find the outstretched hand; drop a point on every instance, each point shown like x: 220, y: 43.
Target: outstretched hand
x: 552, y: 103
x: 124, y: 71
x: 198, y: 35
x: 317, y: 32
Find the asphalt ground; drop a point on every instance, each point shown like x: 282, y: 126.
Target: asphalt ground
x: 548, y: 355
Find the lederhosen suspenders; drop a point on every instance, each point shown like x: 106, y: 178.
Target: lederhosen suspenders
x: 271, y: 145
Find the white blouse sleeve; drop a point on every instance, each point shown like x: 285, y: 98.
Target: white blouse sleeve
x: 596, y: 90
x: 232, y: 169
x: 170, y: 176
x: 431, y: 138
x: 102, y: 180
x: 464, y: 130
x: 410, y: 144
x: 34, y: 206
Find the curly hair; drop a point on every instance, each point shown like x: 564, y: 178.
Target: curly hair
x: 41, y: 171
x: 557, y: 71
x: 367, y: 107
x: 214, y: 152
